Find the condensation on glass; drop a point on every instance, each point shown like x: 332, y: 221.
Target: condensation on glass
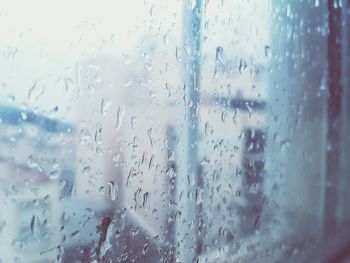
x: 174, y: 131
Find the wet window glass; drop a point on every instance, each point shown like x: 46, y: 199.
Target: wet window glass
x: 174, y: 131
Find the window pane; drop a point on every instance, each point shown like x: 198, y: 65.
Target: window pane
x: 177, y: 131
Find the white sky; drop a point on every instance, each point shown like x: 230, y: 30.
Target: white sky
x: 42, y: 40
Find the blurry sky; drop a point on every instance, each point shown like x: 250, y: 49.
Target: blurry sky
x: 43, y: 41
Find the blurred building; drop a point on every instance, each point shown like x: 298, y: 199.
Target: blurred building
x: 37, y: 172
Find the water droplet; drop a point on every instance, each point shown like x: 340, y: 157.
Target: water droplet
x: 267, y: 50
x: 24, y: 115
x: 145, y: 199
x: 125, y: 256
x: 113, y: 190
x: 91, y: 89
x: 86, y: 170
x: 223, y: 116
x: 31, y: 91
x: 148, y: 66
x: 128, y: 84
x: 235, y: 115
x: 178, y: 54
x: 32, y: 162
x: 33, y: 224
x: 116, y: 157
x: 151, y: 162
x: 133, y: 122
x: 242, y: 66
x: 133, y: 231
x: 206, y: 128
x: 67, y: 83
x: 151, y: 10
x: 84, y: 136
x: 120, y: 117
x: 149, y: 134
x: 145, y: 249
x: 105, y: 104
x: 98, y: 134
x: 219, y: 55
x: 54, y: 174
x: 75, y: 233
x: 165, y: 39
x: 11, y: 98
